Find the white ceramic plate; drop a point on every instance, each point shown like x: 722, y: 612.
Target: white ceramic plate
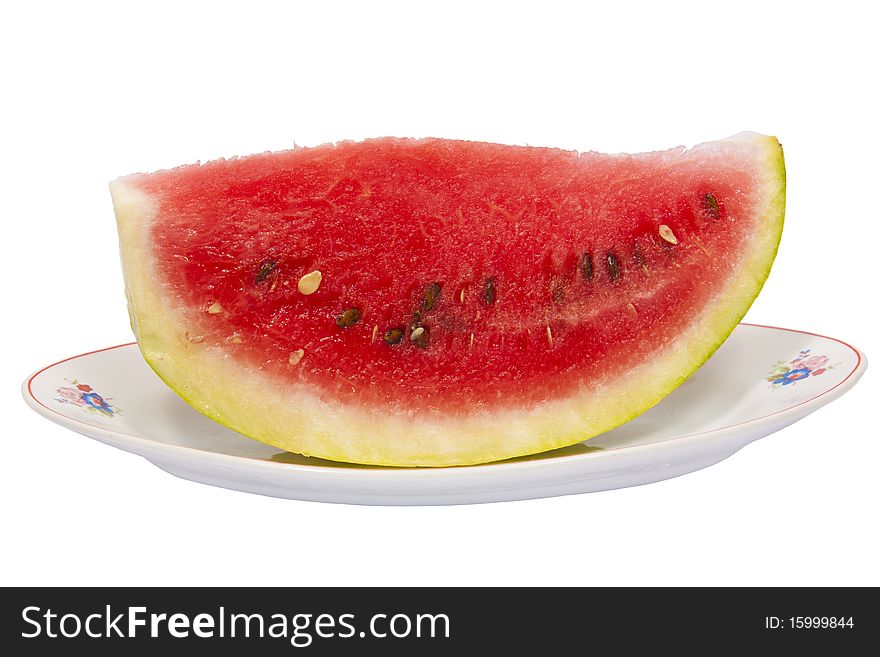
x: 761, y: 380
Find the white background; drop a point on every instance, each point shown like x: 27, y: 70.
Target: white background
x: 91, y: 92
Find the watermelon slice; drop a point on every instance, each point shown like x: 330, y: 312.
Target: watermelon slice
x: 434, y: 302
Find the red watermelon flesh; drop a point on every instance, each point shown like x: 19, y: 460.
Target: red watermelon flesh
x: 463, y: 287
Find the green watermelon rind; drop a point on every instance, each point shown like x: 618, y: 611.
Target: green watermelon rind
x: 296, y: 419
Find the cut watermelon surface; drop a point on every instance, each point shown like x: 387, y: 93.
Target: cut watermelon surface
x: 435, y: 302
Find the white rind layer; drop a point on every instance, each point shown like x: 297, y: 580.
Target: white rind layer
x: 292, y: 417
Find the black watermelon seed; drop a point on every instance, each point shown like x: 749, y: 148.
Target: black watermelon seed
x: 431, y: 294
x: 265, y: 270
x: 489, y: 291
x: 349, y: 318
x: 711, y: 205
x: 640, y: 260
x: 587, y: 266
x: 638, y: 257
x: 613, y: 266
x: 393, y: 336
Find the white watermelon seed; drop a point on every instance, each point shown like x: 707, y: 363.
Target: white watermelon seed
x: 419, y: 337
x: 215, y: 308
x: 375, y: 331
x: 309, y: 283
x: 295, y: 356
x: 235, y: 338
x: 461, y: 296
x: 549, y: 335
x: 667, y: 234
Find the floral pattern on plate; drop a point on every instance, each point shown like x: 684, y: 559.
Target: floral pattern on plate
x: 84, y: 396
x: 802, y: 366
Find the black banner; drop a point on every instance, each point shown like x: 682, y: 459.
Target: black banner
x: 333, y: 621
